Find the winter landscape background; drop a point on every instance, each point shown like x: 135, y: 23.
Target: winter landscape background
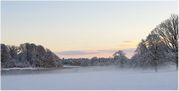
x: 96, y: 45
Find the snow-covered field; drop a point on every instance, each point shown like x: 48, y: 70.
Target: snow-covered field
x: 93, y: 78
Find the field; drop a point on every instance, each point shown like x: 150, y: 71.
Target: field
x: 92, y: 78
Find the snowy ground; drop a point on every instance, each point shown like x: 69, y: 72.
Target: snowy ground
x: 93, y: 78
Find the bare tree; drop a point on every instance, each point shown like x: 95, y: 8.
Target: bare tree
x: 154, y: 48
x: 161, y: 45
x: 168, y: 32
x: 140, y: 57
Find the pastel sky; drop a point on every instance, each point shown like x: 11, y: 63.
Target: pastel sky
x: 82, y: 28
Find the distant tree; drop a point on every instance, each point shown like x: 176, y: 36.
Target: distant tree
x: 13, y: 51
x: 141, y: 56
x: 94, y: 61
x: 120, y: 57
x: 6, y: 58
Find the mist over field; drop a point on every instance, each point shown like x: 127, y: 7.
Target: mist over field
x: 93, y: 78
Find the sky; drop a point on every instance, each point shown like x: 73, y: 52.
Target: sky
x: 82, y: 28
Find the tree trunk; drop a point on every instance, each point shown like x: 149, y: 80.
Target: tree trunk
x: 176, y: 60
x: 177, y: 64
x: 156, y: 69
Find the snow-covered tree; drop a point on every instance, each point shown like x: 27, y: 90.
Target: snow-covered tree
x: 140, y: 58
x: 168, y: 32
x: 155, y: 50
x: 160, y: 45
x: 120, y: 58
x: 28, y: 55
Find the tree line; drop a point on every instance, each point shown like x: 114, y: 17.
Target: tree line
x: 118, y: 59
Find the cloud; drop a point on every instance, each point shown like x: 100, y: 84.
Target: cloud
x: 85, y: 52
x: 77, y: 52
x: 128, y: 44
x: 107, y: 51
x: 127, y: 41
x: 90, y: 53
